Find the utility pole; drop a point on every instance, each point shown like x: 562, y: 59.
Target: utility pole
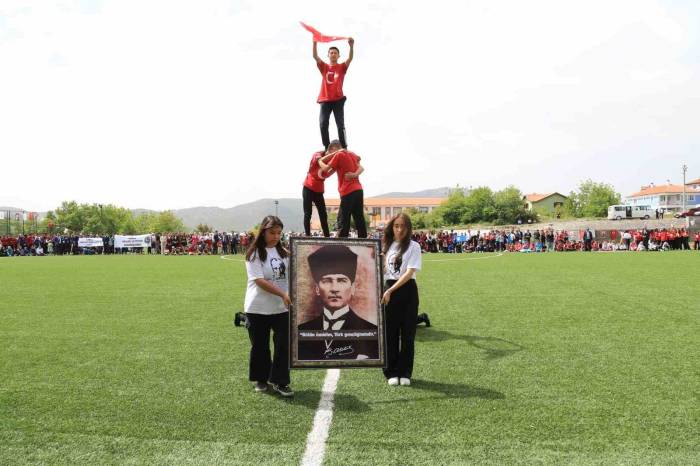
x: 276, y: 204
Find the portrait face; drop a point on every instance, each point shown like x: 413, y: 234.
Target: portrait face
x: 335, y: 290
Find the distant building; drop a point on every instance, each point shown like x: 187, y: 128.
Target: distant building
x: 381, y: 209
x: 695, y: 184
x: 550, y: 203
x: 667, y: 196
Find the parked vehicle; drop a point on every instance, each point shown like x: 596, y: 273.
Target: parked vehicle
x: 619, y: 212
x: 694, y: 212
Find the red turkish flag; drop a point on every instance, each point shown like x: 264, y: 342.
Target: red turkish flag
x: 318, y: 37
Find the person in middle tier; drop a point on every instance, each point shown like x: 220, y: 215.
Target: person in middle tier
x: 348, y: 168
x: 313, y: 193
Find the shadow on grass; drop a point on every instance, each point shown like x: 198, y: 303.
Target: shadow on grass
x: 494, y: 348
x: 445, y: 390
x: 343, y: 402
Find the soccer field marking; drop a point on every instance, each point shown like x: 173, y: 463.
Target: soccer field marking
x: 316, y: 441
x: 464, y: 259
x: 232, y: 259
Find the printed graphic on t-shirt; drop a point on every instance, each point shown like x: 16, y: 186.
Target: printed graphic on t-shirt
x: 395, y: 261
x: 279, y: 270
x: 331, y: 76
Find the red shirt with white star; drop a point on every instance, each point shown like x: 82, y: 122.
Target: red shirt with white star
x: 332, y: 81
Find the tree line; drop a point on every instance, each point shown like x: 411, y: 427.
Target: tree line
x: 100, y: 219
x: 507, y: 207
x: 481, y: 205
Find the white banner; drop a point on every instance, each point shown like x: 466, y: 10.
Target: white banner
x: 2, y: 215
x: 134, y: 241
x: 90, y: 243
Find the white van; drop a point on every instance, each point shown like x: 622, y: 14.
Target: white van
x: 618, y: 212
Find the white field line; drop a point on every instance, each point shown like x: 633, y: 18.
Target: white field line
x: 226, y: 258
x: 316, y: 441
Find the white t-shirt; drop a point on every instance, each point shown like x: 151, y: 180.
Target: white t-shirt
x: 276, y: 271
x: 411, y: 260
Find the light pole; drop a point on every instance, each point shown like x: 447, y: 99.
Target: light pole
x: 276, y: 204
x: 687, y: 218
x: 685, y: 169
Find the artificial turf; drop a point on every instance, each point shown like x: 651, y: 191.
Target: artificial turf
x: 583, y: 358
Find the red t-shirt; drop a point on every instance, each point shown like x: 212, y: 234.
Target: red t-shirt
x: 332, y: 81
x: 314, y: 181
x: 346, y: 162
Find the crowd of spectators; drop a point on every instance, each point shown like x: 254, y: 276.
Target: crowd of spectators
x: 201, y: 244
x: 550, y: 240
x: 514, y: 240
x: 167, y: 244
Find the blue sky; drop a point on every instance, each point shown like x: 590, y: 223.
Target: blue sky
x: 170, y: 104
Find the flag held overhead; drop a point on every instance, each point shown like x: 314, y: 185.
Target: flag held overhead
x: 318, y: 37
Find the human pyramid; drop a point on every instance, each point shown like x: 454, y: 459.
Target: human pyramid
x: 335, y: 156
x: 332, y: 334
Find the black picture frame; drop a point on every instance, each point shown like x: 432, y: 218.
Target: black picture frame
x: 360, y: 339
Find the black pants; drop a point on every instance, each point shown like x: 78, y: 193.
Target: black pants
x: 401, y: 318
x: 337, y: 107
x: 264, y: 368
x: 352, y: 205
x: 308, y: 197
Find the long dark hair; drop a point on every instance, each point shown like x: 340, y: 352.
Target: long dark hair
x: 258, y: 245
x: 389, y: 235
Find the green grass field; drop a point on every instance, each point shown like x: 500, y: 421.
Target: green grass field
x: 532, y: 359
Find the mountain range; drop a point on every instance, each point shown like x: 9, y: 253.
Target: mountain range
x: 246, y: 216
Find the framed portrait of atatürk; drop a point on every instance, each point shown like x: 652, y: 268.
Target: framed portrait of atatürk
x: 336, y: 316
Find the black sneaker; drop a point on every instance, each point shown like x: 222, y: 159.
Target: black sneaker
x: 283, y: 390
x: 423, y: 318
x: 260, y: 387
x: 239, y: 319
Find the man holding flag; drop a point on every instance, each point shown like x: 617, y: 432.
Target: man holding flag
x: 331, y: 95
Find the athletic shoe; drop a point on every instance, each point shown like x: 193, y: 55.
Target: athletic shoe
x: 393, y: 381
x: 260, y: 386
x: 283, y: 390
x: 405, y: 381
x: 426, y: 320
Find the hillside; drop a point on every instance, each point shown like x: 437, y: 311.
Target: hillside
x: 246, y: 216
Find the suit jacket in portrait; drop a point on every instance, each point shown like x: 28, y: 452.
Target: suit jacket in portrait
x: 339, y: 349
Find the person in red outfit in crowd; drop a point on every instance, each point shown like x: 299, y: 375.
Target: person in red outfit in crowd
x: 331, y: 95
x: 697, y: 241
x: 685, y: 241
